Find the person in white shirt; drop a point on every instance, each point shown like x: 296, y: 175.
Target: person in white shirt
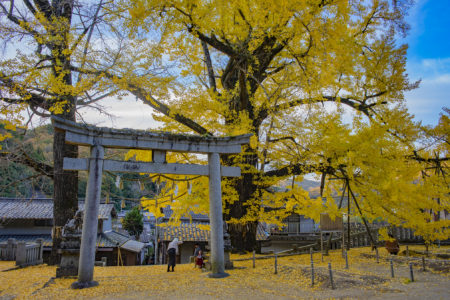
x: 172, y: 250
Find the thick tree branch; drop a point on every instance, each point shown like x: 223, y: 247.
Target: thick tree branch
x: 355, y: 104
x: 300, y: 169
x: 284, y: 138
x: 209, y: 67
x: 148, y: 99
x: 20, y: 156
x: 436, y: 160
x: 212, y: 41
x: 25, y: 96
x: 30, y: 7
x: 44, y: 7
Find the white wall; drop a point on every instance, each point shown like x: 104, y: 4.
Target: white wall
x: 107, y: 224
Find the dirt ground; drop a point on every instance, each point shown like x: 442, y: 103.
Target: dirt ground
x: 365, y: 278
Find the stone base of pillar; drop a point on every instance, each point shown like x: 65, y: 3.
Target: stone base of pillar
x: 70, y: 247
x: 218, y: 275
x: 83, y: 285
x: 228, y: 263
x: 69, y: 263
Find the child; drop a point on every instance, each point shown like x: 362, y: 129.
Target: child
x: 199, y: 259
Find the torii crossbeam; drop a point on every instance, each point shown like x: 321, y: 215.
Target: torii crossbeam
x: 99, y: 138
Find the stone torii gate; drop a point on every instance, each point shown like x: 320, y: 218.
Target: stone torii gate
x: 99, y: 138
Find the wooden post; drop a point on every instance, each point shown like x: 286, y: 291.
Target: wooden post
x: 253, y: 259
x: 376, y: 254
x: 321, y: 243
x: 90, y: 220
x: 331, y: 276
x: 312, y: 272
x: 276, y: 265
x: 392, y: 268
x: 407, y: 251
x: 215, y: 215
x: 411, y: 273
x: 346, y: 259
x: 423, y: 264
x: 348, y: 217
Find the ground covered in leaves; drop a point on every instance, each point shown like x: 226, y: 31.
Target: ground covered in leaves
x: 364, y: 279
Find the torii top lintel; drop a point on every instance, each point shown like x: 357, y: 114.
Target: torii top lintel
x: 87, y: 135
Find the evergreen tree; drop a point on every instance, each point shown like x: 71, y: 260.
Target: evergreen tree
x: 133, y: 222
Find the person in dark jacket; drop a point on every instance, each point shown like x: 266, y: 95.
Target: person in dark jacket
x: 172, y: 251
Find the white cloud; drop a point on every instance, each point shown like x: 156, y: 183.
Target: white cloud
x: 427, y: 101
x: 125, y: 113
x: 443, y: 79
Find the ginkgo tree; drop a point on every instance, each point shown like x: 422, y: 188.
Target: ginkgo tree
x: 320, y: 85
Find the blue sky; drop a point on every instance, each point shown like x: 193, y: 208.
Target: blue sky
x: 429, y: 59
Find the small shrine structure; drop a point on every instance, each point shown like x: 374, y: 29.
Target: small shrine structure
x: 99, y: 138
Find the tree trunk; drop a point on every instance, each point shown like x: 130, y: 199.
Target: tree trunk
x: 65, y: 191
x: 243, y: 235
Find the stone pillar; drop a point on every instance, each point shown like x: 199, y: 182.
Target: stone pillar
x: 40, y: 242
x: 21, y: 254
x: 90, y: 221
x: 215, y: 216
x: 11, y: 249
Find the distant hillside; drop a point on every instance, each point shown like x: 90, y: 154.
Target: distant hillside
x: 18, y: 180
x: 312, y: 186
x: 308, y: 184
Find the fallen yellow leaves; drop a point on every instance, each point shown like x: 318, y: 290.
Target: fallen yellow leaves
x: 245, y: 282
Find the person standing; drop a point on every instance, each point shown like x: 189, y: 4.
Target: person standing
x: 172, y: 251
x: 199, y: 259
x: 196, y: 249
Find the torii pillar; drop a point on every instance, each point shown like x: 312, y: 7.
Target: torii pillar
x: 215, y: 217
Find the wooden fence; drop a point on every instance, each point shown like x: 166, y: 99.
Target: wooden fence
x: 360, y: 238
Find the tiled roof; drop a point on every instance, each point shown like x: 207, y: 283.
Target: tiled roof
x: 190, y: 232
x: 104, y: 210
x: 40, y: 209
x: 114, y: 239
x: 133, y: 246
x: 195, y: 217
x: 104, y: 242
x: 187, y: 232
